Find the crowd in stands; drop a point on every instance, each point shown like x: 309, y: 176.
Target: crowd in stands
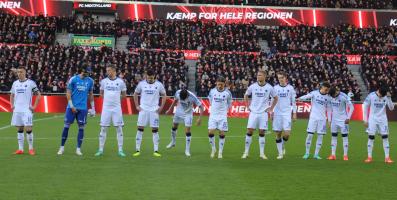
x: 192, y: 35
x: 27, y: 30
x: 305, y: 72
x: 343, y: 38
x: 52, y: 66
x: 379, y: 69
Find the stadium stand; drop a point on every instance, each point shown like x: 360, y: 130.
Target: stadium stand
x: 52, y: 66
x: 306, y: 72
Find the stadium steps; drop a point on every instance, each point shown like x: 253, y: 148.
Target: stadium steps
x: 191, y: 74
x: 121, y: 42
x: 356, y: 71
x: 63, y: 39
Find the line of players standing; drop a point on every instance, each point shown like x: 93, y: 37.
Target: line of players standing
x: 262, y: 99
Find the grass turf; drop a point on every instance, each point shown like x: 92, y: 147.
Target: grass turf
x: 173, y: 176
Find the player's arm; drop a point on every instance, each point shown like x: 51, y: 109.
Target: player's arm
x: 201, y: 111
x: 37, y: 100
x: 229, y: 101
x: 350, y: 106
x: 305, y: 97
x: 246, y: 98
x: 12, y: 97
x: 174, y: 102
x: 293, y: 104
x: 389, y: 102
x: 329, y: 112
x: 274, y: 102
x: 70, y: 102
x: 366, y: 106
x: 137, y: 92
x: 123, y: 91
x: 163, y: 100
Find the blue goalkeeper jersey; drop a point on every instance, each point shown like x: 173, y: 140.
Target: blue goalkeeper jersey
x: 80, y: 89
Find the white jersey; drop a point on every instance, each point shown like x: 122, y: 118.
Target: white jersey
x: 341, y: 108
x: 220, y: 102
x: 112, y: 90
x: 186, y: 106
x: 319, y: 104
x: 261, y: 97
x: 377, y: 106
x: 150, y: 95
x: 23, y: 92
x: 286, y: 100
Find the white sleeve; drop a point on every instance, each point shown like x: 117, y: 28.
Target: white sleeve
x: 162, y: 89
x: 390, y: 103
x: 123, y: 87
x: 366, y: 106
x: 34, y: 87
x: 293, y: 100
x: 101, y: 87
x: 272, y: 92
x: 329, y: 110
x: 138, y: 88
x: 249, y: 91
x: 196, y: 100
x: 350, y: 107
x: 229, y: 100
x: 210, y: 96
x: 306, y: 97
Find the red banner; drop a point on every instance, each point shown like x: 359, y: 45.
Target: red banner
x: 57, y: 104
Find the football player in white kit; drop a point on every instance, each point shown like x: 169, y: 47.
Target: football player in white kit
x: 341, y: 112
x: 318, y: 117
x: 259, y: 108
x: 376, y: 119
x: 184, y: 114
x: 220, y: 99
x: 282, y: 118
x: 22, y: 92
x: 113, y: 90
x: 150, y: 91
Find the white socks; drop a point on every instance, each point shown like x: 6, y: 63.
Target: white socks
x: 370, y: 147
x: 21, y: 139
x: 120, y: 138
x: 308, y: 142
x: 156, y: 141
x: 334, y: 142
x: 212, y: 142
x: 279, y: 143
x: 345, y: 145
x: 319, y: 143
x: 221, y: 144
x: 138, y: 140
x: 248, y: 141
x: 173, y: 136
x: 188, y: 140
x: 262, y: 145
x: 30, y: 140
x: 102, y: 138
x: 386, y: 147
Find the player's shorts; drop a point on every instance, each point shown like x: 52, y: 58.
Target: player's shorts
x: 114, y: 115
x: 218, y: 123
x: 258, y: 120
x: 317, y: 126
x: 282, y: 123
x: 337, y: 126
x: 380, y: 127
x: 186, y: 118
x: 148, y: 117
x: 22, y: 119
x: 80, y: 116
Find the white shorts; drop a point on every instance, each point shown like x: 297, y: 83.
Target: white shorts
x: 317, y: 126
x: 148, y: 117
x: 337, y: 126
x: 220, y: 124
x: 380, y: 127
x: 257, y: 120
x: 112, y: 115
x: 22, y: 119
x: 187, y: 119
x: 282, y: 123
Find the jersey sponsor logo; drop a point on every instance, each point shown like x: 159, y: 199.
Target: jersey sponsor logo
x: 283, y: 95
x: 149, y: 91
x: 379, y: 105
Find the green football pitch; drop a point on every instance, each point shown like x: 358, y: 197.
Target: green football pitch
x: 173, y: 176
